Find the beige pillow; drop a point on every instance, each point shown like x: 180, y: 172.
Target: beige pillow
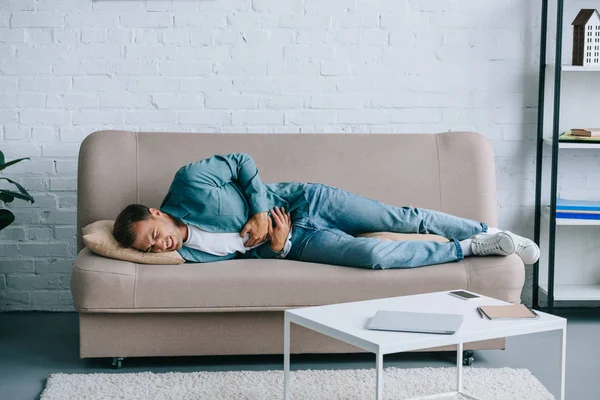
x: 99, y: 239
x: 393, y: 236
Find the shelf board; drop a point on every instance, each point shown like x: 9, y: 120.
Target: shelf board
x: 568, y: 145
x: 569, y: 221
x: 575, y: 68
x: 573, y: 292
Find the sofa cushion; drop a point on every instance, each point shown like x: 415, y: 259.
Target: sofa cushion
x: 105, y: 285
x: 98, y: 237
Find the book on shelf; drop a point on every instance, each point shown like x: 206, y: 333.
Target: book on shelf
x: 579, y: 211
x: 569, y: 137
x: 577, y: 205
x: 587, y: 132
x: 574, y: 215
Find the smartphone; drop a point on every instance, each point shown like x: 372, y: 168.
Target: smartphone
x: 461, y: 294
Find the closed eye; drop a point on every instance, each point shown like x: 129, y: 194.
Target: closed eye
x: 149, y: 249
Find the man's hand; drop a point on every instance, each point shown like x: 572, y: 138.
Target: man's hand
x: 283, y: 224
x: 258, y: 226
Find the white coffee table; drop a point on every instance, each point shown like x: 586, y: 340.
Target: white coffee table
x: 347, y: 322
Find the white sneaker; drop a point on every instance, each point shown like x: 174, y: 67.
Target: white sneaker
x: 496, y: 244
x: 525, y: 248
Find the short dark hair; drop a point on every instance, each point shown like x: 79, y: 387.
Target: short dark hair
x: 123, y: 229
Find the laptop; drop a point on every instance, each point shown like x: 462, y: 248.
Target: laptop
x: 402, y: 321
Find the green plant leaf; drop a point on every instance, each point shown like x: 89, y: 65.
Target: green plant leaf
x: 7, y: 198
x: 1, y: 157
x: 8, y: 164
x: 6, y: 218
x: 21, y: 189
x: 17, y: 195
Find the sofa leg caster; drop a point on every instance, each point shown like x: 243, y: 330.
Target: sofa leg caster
x: 468, y: 357
x: 117, y: 362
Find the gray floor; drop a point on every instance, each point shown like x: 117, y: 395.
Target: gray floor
x: 35, y: 345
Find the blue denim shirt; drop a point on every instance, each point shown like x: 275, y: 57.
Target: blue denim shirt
x: 220, y: 194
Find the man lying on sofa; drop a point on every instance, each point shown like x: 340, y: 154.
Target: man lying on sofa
x: 218, y: 209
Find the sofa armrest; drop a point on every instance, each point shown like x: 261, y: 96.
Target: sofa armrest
x: 501, y: 280
x: 103, y: 282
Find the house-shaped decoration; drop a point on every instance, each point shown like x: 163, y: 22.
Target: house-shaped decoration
x: 586, y: 38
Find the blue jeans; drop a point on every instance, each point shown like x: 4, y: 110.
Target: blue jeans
x: 323, y: 232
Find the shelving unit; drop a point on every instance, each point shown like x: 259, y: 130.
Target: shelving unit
x: 565, y: 145
x: 574, y: 68
x: 574, y: 292
x: 547, y: 213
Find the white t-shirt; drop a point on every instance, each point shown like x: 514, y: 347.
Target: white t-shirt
x: 222, y: 244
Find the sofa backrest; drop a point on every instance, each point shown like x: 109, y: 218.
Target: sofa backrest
x: 451, y: 172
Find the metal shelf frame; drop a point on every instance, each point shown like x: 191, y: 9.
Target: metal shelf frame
x: 552, y: 141
x: 540, y: 150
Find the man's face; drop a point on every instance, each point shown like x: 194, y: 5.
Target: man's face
x: 157, y: 234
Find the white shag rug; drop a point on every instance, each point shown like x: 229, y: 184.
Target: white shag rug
x: 358, y: 384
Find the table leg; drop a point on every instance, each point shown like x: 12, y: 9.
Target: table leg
x: 286, y: 358
x: 459, y: 367
x: 563, y: 356
x: 379, y: 376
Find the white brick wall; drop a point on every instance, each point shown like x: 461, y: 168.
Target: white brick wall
x: 69, y: 67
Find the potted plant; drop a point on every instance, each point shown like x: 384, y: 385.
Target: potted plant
x: 7, y: 196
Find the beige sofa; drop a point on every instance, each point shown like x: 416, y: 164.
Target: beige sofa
x: 236, y: 307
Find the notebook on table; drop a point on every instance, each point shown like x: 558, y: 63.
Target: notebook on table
x: 403, y: 321
x: 512, y: 311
